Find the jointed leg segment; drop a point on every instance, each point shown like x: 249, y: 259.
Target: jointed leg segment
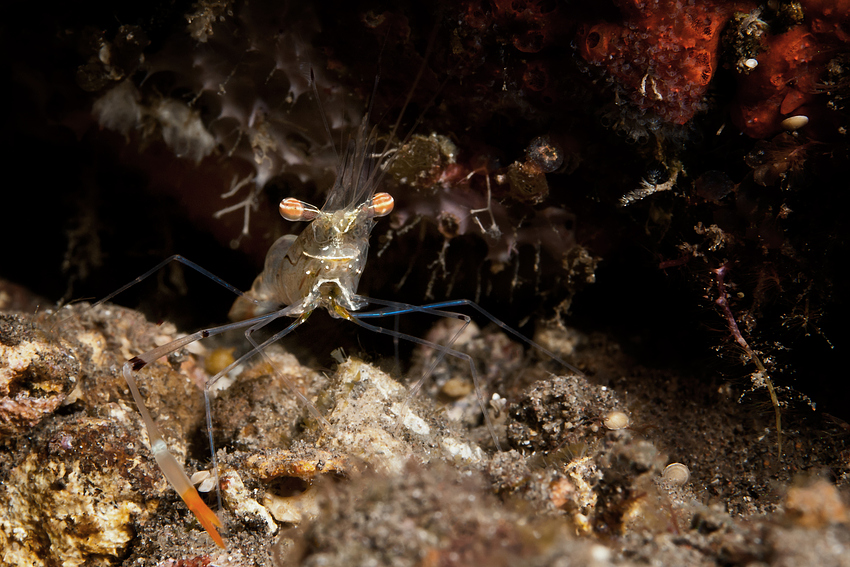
x: 438, y: 309
x: 171, y: 468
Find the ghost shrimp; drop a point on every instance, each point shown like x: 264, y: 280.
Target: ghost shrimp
x: 320, y: 268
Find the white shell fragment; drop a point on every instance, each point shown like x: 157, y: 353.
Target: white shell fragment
x: 616, y: 420
x: 293, y: 509
x: 238, y: 499
x: 751, y: 63
x: 795, y: 122
x: 676, y: 474
x: 204, y: 480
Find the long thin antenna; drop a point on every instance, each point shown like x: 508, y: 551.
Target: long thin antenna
x: 377, y: 174
x: 419, y: 73
x: 322, y: 112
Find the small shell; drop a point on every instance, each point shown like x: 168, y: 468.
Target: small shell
x: 616, y: 420
x: 200, y: 476
x: 751, y: 63
x: 456, y: 388
x: 676, y: 474
x: 795, y: 122
x: 204, y: 480
x: 218, y: 360
x: 207, y: 485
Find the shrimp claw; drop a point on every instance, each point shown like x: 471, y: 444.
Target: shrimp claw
x: 170, y: 467
x: 202, y: 512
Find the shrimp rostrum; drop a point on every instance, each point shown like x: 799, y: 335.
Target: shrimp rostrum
x: 319, y: 268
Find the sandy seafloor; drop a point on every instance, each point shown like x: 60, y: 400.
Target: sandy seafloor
x: 571, y: 485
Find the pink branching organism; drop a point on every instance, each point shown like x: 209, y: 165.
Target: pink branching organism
x: 761, y: 376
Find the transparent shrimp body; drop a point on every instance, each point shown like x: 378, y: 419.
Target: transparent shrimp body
x: 322, y: 266
x: 326, y: 260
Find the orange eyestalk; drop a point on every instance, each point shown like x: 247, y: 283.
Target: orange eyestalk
x: 296, y: 210
x: 381, y: 204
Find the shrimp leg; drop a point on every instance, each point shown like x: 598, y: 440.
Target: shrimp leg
x: 437, y: 309
x: 171, y: 468
x: 444, y: 350
x: 402, y: 308
x: 301, y: 397
x: 174, y: 258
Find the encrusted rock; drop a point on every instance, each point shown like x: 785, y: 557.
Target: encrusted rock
x: 76, y: 496
x: 37, y: 373
x: 559, y: 411
x: 370, y: 409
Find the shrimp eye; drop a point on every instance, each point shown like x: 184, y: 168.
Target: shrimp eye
x: 294, y: 210
x: 382, y: 204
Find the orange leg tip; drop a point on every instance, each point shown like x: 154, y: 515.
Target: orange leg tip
x: 205, y: 516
